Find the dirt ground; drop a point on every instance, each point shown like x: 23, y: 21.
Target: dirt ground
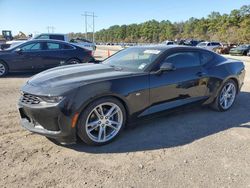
x: 195, y: 147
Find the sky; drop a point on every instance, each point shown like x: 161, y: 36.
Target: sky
x: 33, y: 16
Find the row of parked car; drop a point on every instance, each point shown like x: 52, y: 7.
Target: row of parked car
x: 44, y: 52
x: 218, y: 47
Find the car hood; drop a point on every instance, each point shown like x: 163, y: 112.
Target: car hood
x: 62, y: 79
x: 3, y: 52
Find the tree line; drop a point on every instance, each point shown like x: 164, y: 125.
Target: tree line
x: 228, y: 28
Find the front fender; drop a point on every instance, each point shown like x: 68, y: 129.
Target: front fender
x: 132, y: 92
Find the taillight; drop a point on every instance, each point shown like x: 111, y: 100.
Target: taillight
x: 89, y: 53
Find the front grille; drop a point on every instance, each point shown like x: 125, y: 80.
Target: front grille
x: 30, y: 99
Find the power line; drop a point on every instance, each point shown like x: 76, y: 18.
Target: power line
x: 90, y: 26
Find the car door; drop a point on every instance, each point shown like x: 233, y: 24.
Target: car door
x: 187, y: 83
x: 27, y: 56
x: 210, y: 46
x: 53, y: 54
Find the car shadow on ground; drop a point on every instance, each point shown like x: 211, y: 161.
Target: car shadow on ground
x: 176, y: 129
x: 21, y: 75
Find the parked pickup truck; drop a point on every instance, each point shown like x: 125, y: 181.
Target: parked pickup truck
x: 64, y: 37
x: 83, y: 43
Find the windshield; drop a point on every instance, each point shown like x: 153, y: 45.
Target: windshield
x: 137, y: 59
x: 202, y: 44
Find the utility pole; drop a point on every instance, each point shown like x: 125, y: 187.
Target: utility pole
x: 86, y: 25
x: 52, y: 28
x: 89, y: 26
x: 93, y: 39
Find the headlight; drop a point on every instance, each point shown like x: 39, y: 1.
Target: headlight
x: 51, y: 99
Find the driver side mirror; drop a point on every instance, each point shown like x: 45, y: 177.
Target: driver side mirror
x: 18, y: 50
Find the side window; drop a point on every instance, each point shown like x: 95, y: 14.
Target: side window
x: 209, y: 44
x: 32, y: 47
x: 42, y: 37
x: 67, y: 47
x: 206, y: 57
x: 57, y: 37
x: 184, y: 59
x: 53, y: 46
x: 215, y: 43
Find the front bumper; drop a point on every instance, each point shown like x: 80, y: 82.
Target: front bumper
x: 48, y: 120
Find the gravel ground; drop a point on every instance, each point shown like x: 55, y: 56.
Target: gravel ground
x: 194, y: 147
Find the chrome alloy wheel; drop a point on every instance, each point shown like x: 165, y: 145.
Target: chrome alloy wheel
x: 227, y: 96
x: 2, y: 69
x: 104, y: 122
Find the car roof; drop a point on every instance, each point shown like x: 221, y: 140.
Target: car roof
x: 167, y: 47
x: 48, y: 40
x: 51, y: 34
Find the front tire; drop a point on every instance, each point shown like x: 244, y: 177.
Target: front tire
x: 102, y: 121
x: 3, y: 69
x: 226, y: 97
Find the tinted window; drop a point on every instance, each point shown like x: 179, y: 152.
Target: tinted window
x: 215, y: 43
x: 202, y: 44
x: 57, y: 37
x: 53, y: 46
x: 184, y: 59
x: 206, y: 57
x: 42, y: 37
x: 65, y: 46
x: 32, y: 47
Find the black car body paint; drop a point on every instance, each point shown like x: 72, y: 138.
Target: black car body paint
x: 141, y: 93
x: 46, y: 56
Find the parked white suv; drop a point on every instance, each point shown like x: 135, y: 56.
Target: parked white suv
x: 81, y: 43
x: 168, y: 42
x: 209, y: 45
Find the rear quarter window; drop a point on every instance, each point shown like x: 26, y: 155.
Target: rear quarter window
x: 206, y: 57
x: 53, y: 46
x: 67, y: 47
x: 184, y: 59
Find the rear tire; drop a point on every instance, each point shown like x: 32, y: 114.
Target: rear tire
x: 73, y: 61
x: 3, y: 69
x: 102, y: 121
x: 226, y: 96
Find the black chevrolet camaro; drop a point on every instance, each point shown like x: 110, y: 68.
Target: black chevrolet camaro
x: 95, y: 101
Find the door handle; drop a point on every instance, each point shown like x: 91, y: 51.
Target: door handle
x: 200, y: 74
